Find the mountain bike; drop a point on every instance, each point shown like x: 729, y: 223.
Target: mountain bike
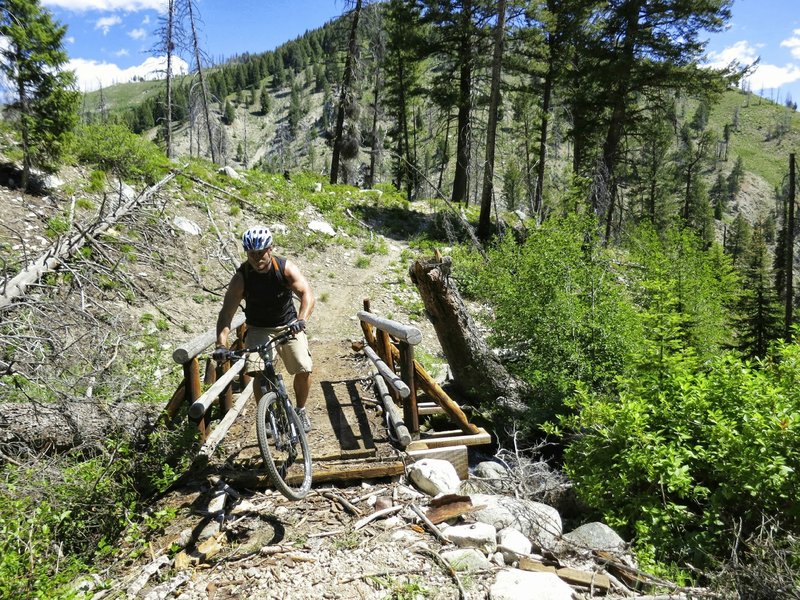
x: 281, y: 439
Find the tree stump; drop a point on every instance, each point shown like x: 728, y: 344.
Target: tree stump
x: 477, y: 371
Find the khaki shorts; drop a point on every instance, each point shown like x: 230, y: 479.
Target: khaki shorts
x: 295, y: 354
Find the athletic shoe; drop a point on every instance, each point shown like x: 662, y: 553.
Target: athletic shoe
x: 304, y: 420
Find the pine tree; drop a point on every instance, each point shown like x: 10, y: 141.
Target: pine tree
x: 760, y: 306
x: 230, y: 115
x: 43, y: 102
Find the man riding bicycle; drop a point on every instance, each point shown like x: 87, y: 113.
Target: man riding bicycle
x: 266, y: 283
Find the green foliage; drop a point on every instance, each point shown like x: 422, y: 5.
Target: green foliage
x: 116, y: 150
x: 30, y: 561
x: 559, y: 306
x: 685, y: 454
x: 57, y: 225
x: 686, y: 292
x: 42, y: 100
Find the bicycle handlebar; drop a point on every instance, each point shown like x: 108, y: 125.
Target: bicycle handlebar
x: 281, y: 338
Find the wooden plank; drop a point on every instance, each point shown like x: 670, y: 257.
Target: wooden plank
x: 322, y: 473
x: 388, y: 375
x: 454, y: 438
x: 455, y: 455
x: 219, y: 432
x: 345, y: 455
x: 429, y: 408
x: 597, y: 581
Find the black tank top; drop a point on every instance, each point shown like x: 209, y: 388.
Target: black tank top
x: 268, y: 300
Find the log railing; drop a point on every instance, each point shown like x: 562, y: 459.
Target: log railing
x: 390, y: 345
x: 189, y: 391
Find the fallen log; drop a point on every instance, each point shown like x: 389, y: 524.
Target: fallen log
x: 65, y: 425
x: 477, y: 372
x: 65, y: 247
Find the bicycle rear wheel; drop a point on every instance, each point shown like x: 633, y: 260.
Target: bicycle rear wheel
x: 283, y: 446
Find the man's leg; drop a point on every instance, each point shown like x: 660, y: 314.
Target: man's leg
x: 258, y: 379
x: 302, y: 385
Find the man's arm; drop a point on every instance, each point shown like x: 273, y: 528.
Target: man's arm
x: 300, y: 286
x: 233, y: 297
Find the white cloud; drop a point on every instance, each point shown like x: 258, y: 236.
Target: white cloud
x: 121, y: 52
x: 146, y: 20
x: 764, y: 76
x: 70, y: 39
x: 741, y: 52
x: 793, y: 43
x: 108, y: 5
x: 92, y: 74
x: 137, y: 34
x: 106, y: 23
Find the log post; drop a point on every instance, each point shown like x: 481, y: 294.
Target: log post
x: 450, y: 406
x: 410, y: 414
x: 174, y: 404
x: 191, y: 374
x: 241, y: 331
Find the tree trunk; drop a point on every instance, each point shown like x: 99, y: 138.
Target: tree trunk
x: 203, y: 91
x: 487, y: 193
x: 347, y: 84
x: 460, y: 176
x: 477, y: 371
x: 170, y: 47
x: 70, y: 424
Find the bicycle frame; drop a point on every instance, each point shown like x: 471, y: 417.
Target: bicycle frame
x: 281, y: 438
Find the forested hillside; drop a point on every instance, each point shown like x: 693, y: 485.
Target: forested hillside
x: 618, y: 218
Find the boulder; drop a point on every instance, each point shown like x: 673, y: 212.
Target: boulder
x: 514, y: 584
x: 513, y: 544
x: 186, y: 225
x: 229, y: 172
x: 474, y: 535
x: 322, y: 227
x: 466, y: 559
x: 595, y: 536
x: 434, y: 476
x: 538, y: 522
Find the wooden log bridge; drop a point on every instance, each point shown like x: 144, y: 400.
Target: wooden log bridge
x: 347, y: 440
x: 389, y: 345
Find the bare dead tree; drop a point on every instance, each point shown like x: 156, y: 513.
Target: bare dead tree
x: 198, y: 59
x: 346, y: 98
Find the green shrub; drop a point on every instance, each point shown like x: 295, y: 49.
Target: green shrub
x: 57, y: 225
x: 690, y: 451
x: 30, y: 561
x: 558, y: 306
x: 116, y: 150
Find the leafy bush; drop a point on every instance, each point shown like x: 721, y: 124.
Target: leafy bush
x: 116, y: 150
x: 558, y: 308
x: 30, y: 561
x: 688, y: 451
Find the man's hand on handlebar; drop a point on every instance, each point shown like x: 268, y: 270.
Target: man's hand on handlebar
x: 297, y: 326
x: 220, y: 354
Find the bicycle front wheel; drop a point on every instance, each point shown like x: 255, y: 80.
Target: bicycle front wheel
x: 283, y: 446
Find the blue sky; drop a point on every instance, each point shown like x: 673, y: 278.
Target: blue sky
x: 109, y: 40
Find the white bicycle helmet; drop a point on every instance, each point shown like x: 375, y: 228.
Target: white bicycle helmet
x: 258, y: 237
